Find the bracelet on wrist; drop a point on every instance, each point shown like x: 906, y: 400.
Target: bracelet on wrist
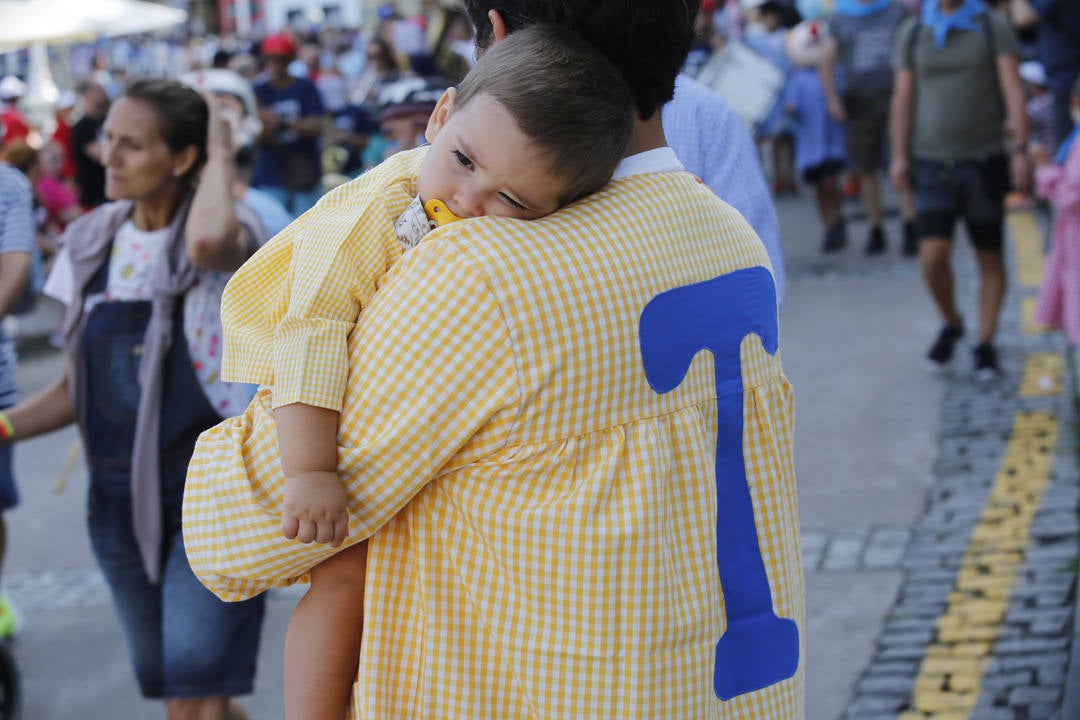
x: 7, y: 430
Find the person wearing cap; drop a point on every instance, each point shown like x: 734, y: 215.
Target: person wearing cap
x: 288, y: 164
x: 65, y: 107
x: 235, y: 101
x: 15, y: 125
x: 404, y: 109
x: 820, y: 141
x: 1039, y: 106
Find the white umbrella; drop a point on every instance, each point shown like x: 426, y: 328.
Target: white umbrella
x: 24, y: 22
x: 34, y: 23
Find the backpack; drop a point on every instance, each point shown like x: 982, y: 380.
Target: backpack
x: 988, y: 34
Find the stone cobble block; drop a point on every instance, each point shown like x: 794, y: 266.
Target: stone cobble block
x: 1051, y: 675
x: 895, y: 686
x: 921, y: 624
x: 1043, y: 711
x: 1032, y: 695
x: 895, y: 668
x: 995, y: 683
x: 907, y: 638
x: 901, y: 652
x: 1010, y: 663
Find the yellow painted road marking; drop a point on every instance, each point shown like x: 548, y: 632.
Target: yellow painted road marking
x: 1043, y: 375
x: 1027, y: 240
x: 1027, y: 317
x: 950, y: 677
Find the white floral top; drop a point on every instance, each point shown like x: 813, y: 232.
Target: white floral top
x: 130, y: 272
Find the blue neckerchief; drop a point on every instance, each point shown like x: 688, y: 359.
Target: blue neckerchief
x: 1066, y: 146
x: 963, y: 18
x: 855, y: 8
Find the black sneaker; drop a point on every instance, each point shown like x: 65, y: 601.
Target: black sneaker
x: 875, y: 242
x: 835, y: 238
x: 911, y: 242
x: 941, y: 351
x: 986, y: 363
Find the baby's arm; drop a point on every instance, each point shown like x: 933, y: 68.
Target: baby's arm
x: 315, y: 506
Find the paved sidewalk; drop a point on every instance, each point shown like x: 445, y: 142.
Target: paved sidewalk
x: 961, y: 607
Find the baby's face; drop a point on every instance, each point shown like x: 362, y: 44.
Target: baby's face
x: 480, y: 163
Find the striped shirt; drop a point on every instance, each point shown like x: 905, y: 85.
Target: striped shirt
x: 16, y: 235
x: 543, y: 506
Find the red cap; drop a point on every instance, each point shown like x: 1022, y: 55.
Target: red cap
x: 278, y: 45
x: 708, y: 5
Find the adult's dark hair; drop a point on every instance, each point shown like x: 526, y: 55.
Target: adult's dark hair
x: 181, y: 113
x: 565, y: 96
x: 647, y: 40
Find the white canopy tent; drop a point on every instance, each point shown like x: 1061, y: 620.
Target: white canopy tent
x: 24, y: 22
x: 37, y: 23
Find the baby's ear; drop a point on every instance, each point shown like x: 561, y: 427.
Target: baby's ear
x: 440, y: 115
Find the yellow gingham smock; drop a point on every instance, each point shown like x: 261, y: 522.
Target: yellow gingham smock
x: 542, y: 523
x: 288, y: 310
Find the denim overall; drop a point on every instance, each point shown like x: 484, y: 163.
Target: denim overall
x: 184, y: 641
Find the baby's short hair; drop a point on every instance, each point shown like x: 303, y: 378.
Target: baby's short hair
x: 565, y: 96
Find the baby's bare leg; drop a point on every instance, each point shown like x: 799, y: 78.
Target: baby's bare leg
x: 322, y: 644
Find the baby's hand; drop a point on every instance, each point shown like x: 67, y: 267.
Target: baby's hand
x: 315, y: 508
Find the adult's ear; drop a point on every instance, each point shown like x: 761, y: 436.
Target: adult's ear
x: 498, y: 27
x: 440, y: 115
x: 184, y: 160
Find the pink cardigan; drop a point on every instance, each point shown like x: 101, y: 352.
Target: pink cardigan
x: 1059, y: 296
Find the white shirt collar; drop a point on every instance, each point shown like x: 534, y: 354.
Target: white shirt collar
x: 651, y: 161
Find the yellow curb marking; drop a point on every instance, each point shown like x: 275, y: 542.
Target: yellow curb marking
x: 1027, y: 240
x: 950, y: 676
x: 1027, y: 317
x: 1043, y: 373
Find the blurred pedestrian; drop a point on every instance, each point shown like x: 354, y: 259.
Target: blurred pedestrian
x: 16, y: 250
x: 1039, y: 107
x: 404, y: 109
x: 380, y: 69
x: 288, y: 164
x: 140, y: 381
x: 13, y: 124
x: 86, y: 146
x: 765, y: 33
x: 862, y: 34
x: 1057, y: 180
x: 953, y: 149
x: 65, y: 107
x: 713, y: 142
x: 56, y: 197
x: 820, y: 154
x: 1059, y: 52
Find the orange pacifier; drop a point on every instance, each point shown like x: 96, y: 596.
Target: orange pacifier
x: 439, y: 213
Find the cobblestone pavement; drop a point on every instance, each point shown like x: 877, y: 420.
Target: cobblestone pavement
x: 982, y: 623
